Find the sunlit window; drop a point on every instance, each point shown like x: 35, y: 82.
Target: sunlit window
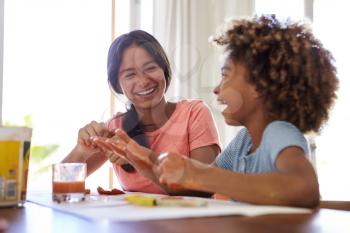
x: 55, y: 74
x: 293, y: 9
x: 55, y: 77
x: 329, y: 25
x: 332, y: 153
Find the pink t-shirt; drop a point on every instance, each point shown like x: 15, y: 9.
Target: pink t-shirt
x: 189, y: 127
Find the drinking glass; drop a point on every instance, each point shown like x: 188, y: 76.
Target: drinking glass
x: 68, y: 182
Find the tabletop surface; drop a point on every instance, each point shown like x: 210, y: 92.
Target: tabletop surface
x: 33, y: 218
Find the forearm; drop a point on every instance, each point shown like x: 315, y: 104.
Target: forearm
x: 174, y: 191
x: 268, y: 188
x: 93, y: 161
x: 184, y: 192
x: 205, y: 155
x: 188, y: 192
x: 75, y: 156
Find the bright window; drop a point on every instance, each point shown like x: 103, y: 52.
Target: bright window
x: 293, y: 9
x: 329, y: 25
x: 55, y: 77
x: 332, y: 153
x: 55, y: 72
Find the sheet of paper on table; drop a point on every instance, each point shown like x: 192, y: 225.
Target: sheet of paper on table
x: 116, y: 208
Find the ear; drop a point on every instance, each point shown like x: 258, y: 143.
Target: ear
x: 254, y: 93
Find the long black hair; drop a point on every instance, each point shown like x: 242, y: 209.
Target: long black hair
x: 130, y: 122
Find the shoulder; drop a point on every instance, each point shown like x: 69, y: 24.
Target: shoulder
x: 115, y: 121
x: 196, y: 111
x: 193, y: 107
x: 193, y: 104
x: 277, y: 129
x: 281, y: 134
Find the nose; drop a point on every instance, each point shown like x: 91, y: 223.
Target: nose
x: 216, y: 90
x: 143, y: 79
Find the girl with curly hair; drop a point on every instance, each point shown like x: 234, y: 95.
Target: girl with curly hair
x: 279, y: 83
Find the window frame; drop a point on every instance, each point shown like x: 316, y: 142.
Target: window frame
x: 2, y: 10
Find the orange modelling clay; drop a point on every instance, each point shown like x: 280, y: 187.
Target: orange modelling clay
x: 114, y: 191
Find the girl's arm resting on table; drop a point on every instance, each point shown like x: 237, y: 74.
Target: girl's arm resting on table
x: 294, y: 184
x: 180, y: 191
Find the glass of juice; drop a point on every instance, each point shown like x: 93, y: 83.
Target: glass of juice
x: 68, y: 182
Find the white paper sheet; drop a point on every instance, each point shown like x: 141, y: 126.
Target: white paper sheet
x: 115, y: 208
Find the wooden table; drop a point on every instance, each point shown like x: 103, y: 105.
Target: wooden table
x: 36, y: 219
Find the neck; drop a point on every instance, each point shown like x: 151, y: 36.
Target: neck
x: 155, y: 117
x: 256, y: 128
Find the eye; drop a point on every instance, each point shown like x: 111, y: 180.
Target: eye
x: 151, y: 68
x: 129, y: 75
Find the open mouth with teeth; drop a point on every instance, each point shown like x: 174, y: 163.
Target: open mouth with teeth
x: 146, y: 92
x: 221, y: 107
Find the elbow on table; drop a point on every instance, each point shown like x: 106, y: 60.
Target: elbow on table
x: 306, y: 195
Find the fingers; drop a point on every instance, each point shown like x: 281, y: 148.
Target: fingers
x: 115, y: 147
x: 102, y: 143
x: 90, y: 130
x: 127, y: 149
x: 157, y: 159
x: 134, y: 151
x: 116, y: 143
x: 163, y: 164
x: 118, y: 147
x: 122, y: 135
x: 121, y: 161
x: 170, y: 169
x: 116, y: 159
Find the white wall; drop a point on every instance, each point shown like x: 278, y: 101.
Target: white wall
x: 1, y: 52
x: 183, y: 28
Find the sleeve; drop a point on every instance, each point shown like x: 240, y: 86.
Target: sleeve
x: 202, y: 129
x: 224, y: 159
x: 281, y: 135
x: 228, y: 158
x: 115, y: 122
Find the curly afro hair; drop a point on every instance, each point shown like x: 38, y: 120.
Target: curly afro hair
x: 288, y: 66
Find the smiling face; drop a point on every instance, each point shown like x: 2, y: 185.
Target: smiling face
x: 236, y: 94
x: 141, y: 78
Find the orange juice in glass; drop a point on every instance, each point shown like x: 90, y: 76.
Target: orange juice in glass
x: 68, y: 182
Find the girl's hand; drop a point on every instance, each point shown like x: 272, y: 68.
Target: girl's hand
x: 124, y: 147
x: 113, y: 148
x: 86, y: 134
x: 177, y: 171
